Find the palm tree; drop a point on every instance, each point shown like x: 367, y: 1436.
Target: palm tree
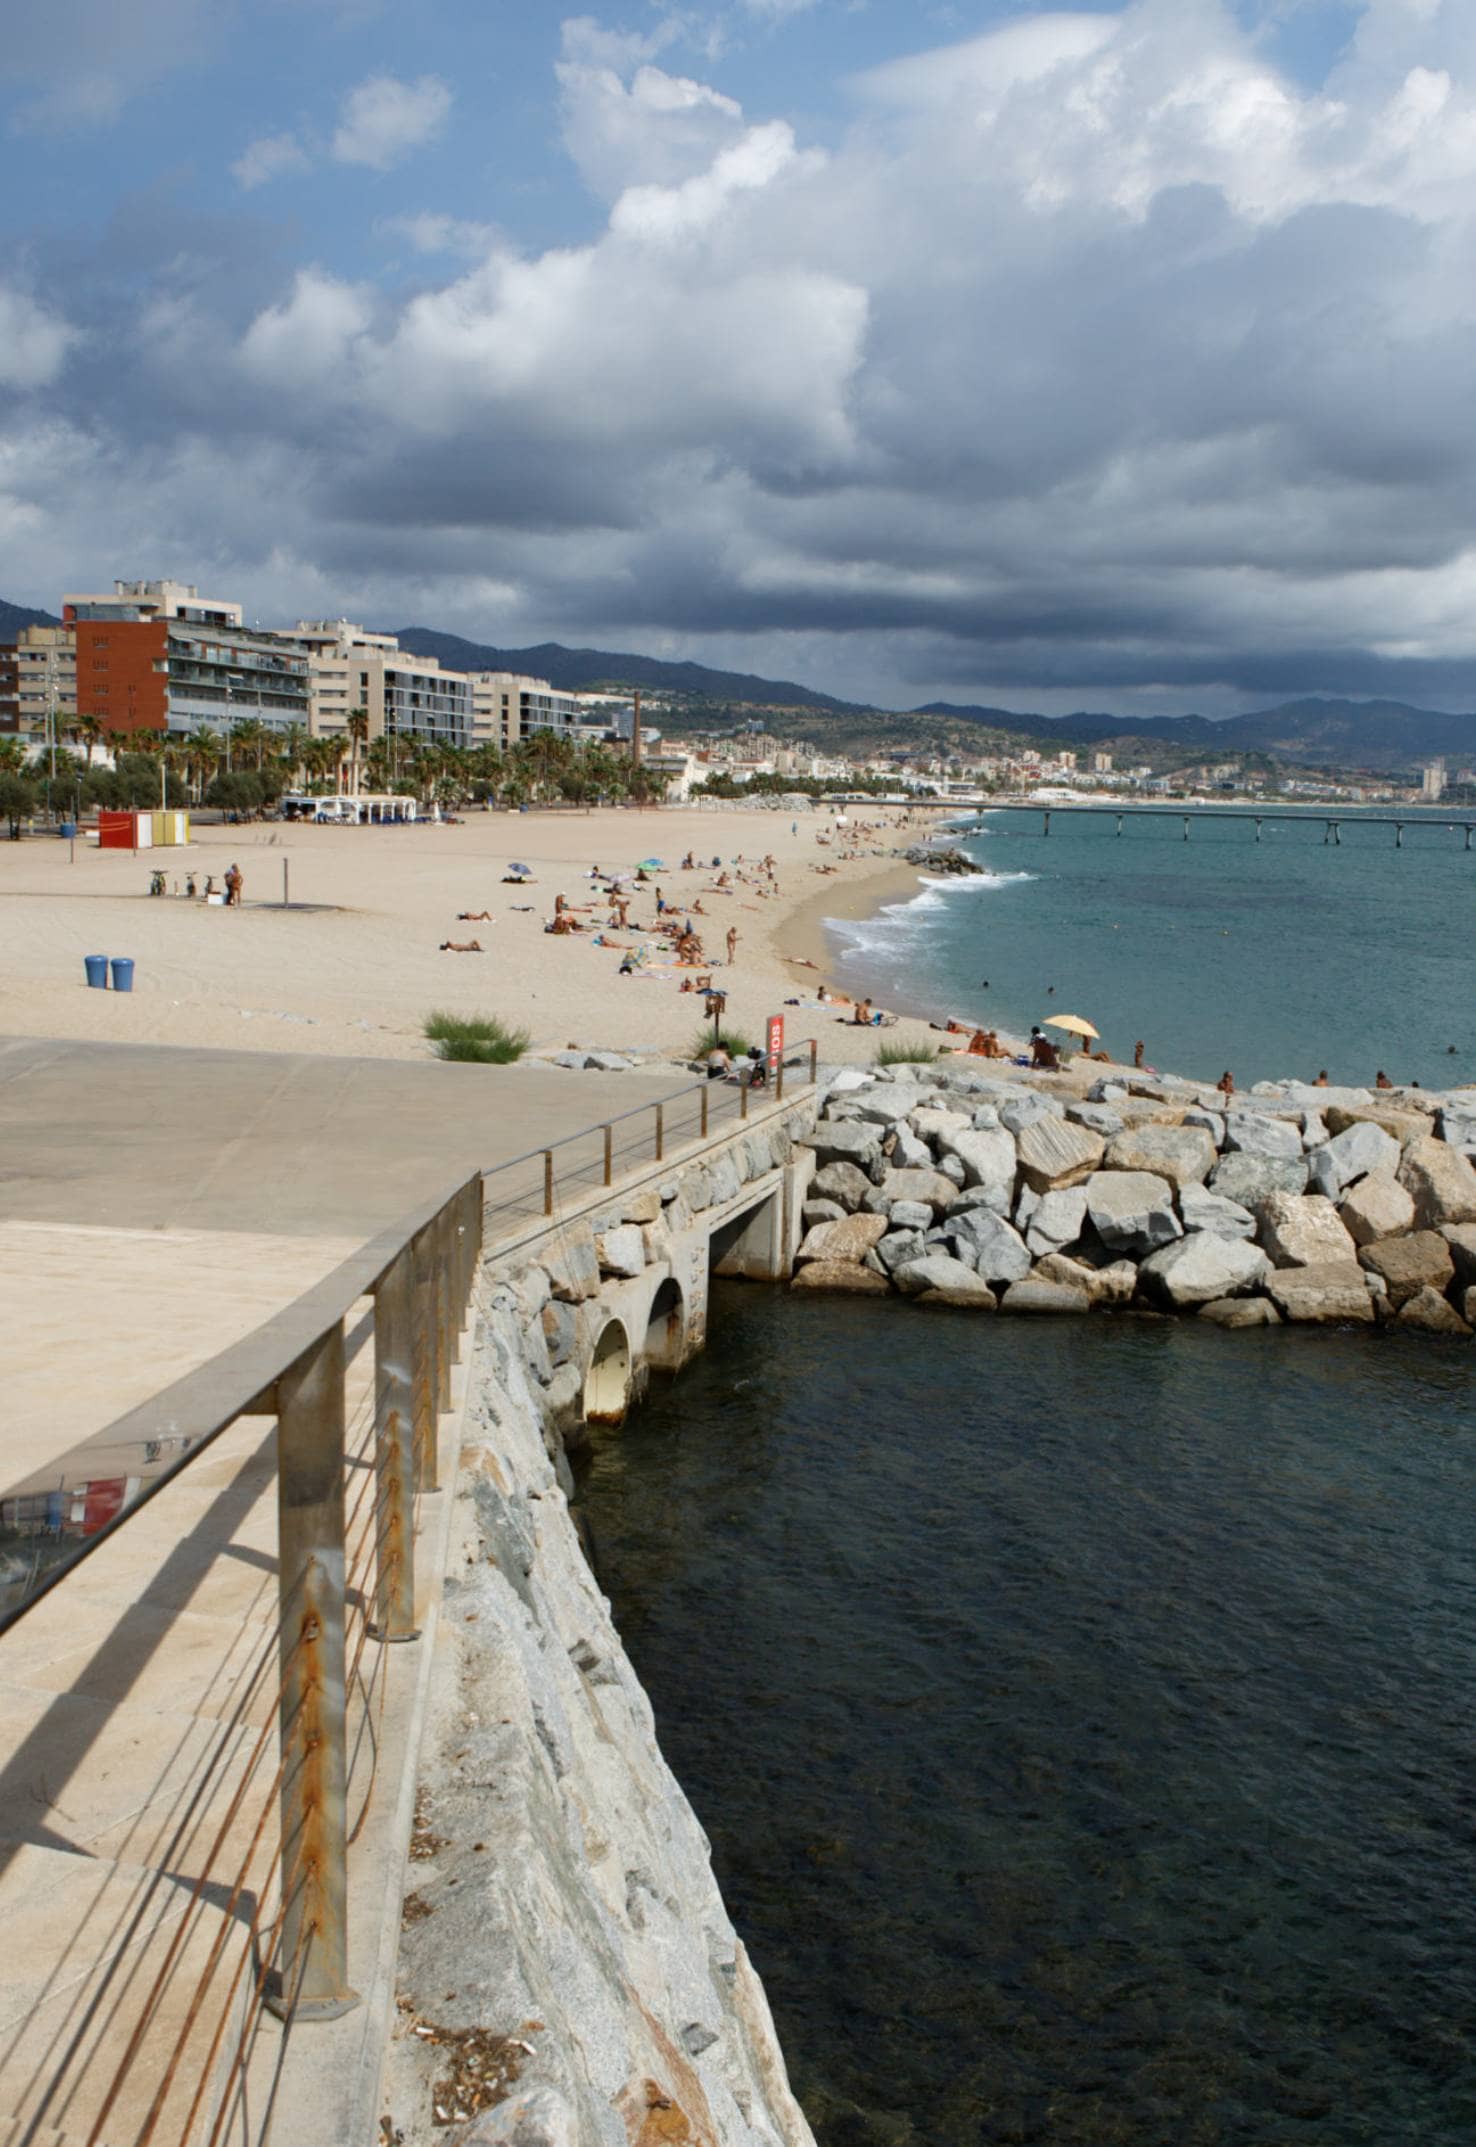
x: 290, y: 742
x: 91, y: 731
x: 357, y: 726
x: 252, y: 733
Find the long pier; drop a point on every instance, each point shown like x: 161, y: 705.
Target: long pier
x: 1332, y: 824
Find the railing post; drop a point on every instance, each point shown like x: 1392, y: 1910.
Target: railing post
x: 779, y: 1080
x: 743, y: 1099
x: 609, y: 1154
x: 313, y: 1976
x: 427, y: 1373
x: 475, y: 1196
x: 814, y: 1061
x: 548, y: 1181
x: 394, y: 1452
x: 704, y: 1110
x: 660, y: 1133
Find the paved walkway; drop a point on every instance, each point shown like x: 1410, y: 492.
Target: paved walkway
x: 155, y: 1206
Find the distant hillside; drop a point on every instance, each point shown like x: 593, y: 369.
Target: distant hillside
x: 576, y: 670
x: 1325, y: 733
x: 14, y: 616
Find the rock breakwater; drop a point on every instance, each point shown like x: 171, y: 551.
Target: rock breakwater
x: 1040, y: 1194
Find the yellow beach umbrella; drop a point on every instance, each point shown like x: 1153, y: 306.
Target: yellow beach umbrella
x: 1073, y: 1022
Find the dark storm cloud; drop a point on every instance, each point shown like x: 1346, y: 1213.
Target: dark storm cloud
x: 1097, y: 359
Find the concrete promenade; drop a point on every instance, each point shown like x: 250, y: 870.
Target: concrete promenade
x: 155, y: 1206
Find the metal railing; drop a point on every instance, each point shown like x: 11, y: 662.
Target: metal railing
x: 536, y: 1185
x: 265, y: 1924
x: 159, y: 2036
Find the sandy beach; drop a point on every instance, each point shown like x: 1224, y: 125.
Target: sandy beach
x: 354, y: 965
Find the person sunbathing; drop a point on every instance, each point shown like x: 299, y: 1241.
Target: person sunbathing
x: 474, y: 916
x: 461, y: 946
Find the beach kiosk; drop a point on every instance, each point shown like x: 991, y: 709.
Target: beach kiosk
x: 142, y: 830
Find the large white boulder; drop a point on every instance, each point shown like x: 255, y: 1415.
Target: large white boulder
x: 1053, y: 1152
x: 989, y: 1244
x: 1202, y: 1267
x: 1203, y: 1210
x: 988, y: 1158
x: 1303, y: 1230
x: 1057, y: 1220
x: 1441, y: 1183
x: 1132, y: 1210
x: 1352, y: 1154
x: 1253, y: 1133
x: 1376, y: 1207
x: 939, y: 1275
x: 1336, y: 1292
x: 1248, y: 1179
x: 1185, y: 1155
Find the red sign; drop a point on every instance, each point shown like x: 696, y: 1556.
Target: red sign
x: 776, y: 1041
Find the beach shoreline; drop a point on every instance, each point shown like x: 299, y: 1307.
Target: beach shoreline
x: 354, y: 964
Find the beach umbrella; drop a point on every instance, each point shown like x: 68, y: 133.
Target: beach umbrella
x: 1073, y: 1022
x: 524, y: 872
x: 651, y: 864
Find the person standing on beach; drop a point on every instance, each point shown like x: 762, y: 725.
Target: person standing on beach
x: 732, y: 944
x: 233, y: 886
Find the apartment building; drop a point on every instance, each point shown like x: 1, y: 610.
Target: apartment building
x: 157, y: 656
x: 9, y: 688
x: 511, y: 706
x: 333, y: 648
x: 46, y: 679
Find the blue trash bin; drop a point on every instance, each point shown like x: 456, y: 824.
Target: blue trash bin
x: 122, y: 973
x: 96, y: 966
x: 68, y: 831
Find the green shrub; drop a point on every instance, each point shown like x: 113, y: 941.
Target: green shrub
x: 906, y: 1051
x: 705, y: 1040
x: 475, y: 1039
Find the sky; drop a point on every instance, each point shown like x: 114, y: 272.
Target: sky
x: 1119, y: 358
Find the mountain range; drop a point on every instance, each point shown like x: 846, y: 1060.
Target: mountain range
x: 1320, y: 732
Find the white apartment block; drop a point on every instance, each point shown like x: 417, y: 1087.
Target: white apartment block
x: 154, y: 600
x: 510, y: 706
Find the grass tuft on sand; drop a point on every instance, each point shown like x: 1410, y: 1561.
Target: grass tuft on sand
x: 707, y: 1039
x: 475, y: 1039
x: 906, y: 1051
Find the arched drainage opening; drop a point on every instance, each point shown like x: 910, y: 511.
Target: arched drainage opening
x: 666, y: 1330
x: 607, y: 1382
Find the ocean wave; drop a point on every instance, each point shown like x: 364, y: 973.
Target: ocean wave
x: 896, y: 927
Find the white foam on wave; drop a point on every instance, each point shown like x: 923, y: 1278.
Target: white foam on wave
x: 895, y: 928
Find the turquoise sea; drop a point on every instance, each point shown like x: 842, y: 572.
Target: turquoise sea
x: 1274, y: 958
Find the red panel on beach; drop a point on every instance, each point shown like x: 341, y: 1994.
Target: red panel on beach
x: 115, y: 830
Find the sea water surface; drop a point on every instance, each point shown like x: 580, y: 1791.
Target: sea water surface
x: 1082, y: 1714
x: 1274, y: 958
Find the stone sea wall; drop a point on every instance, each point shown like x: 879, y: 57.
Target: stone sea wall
x: 957, y: 1185
x: 569, y: 1976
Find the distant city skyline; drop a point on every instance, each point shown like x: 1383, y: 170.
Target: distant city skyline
x: 1114, y: 358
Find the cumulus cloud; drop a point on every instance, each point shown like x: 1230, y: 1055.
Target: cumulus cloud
x: 33, y: 341
x: 384, y: 119
x: 1094, y: 361
x: 272, y: 156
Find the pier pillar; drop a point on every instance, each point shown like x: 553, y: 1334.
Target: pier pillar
x: 1258, y: 831
x: 1399, y: 834
x: 1119, y: 823
x: 1186, y: 827
x: 1046, y: 824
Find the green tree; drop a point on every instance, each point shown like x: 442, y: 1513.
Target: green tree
x: 17, y: 801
